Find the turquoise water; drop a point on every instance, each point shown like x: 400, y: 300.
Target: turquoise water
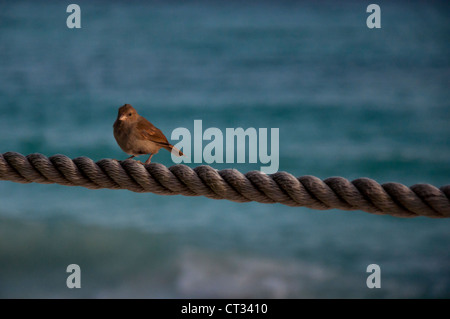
x: 348, y: 101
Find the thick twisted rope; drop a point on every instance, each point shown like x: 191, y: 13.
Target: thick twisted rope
x: 336, y: 192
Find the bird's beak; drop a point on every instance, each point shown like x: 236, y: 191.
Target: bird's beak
x: 123, y: 118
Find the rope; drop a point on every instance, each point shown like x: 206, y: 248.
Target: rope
x: 336, y: 192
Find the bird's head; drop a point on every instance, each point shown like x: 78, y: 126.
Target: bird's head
x: 127, y: 113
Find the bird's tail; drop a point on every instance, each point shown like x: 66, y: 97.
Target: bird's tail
x: 174, y: 150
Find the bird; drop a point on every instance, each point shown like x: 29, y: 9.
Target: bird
x: 137, y: 136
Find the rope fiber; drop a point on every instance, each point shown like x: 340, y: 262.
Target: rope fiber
x: 335, y: 192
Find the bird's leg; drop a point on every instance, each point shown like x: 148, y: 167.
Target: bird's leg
x: 132, y: 156
x: 149, y: 159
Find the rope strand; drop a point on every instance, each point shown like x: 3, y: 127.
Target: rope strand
x: 336, y: 192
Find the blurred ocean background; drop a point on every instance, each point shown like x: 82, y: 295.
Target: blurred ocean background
x: 349, y: 101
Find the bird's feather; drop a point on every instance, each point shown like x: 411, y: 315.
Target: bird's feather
x: 149, y: 132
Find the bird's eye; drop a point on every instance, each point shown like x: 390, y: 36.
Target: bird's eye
x: 129, y: 114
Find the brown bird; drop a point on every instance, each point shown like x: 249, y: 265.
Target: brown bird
x: 137, y: 136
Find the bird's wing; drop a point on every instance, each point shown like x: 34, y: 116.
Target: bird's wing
x: 149, y: 132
